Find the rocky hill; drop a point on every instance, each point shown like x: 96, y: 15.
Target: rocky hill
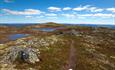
x: 67, y: 48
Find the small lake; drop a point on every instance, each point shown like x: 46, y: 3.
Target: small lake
x: 17, y: 36
x: 45, y: 29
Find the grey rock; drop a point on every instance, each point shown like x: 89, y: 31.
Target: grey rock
x: 25, y: 54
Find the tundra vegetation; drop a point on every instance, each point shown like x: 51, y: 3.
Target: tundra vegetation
x: 67, y: 47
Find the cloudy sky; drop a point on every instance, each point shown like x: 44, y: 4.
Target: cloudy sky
x: 61, y: 11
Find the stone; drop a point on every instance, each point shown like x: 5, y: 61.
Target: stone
x: 26, y: 54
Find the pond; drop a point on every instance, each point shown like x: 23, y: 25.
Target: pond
x: 17, y: 36
x: 45, y: 29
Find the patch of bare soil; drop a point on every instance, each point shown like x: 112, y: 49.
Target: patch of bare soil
x: 71, y: 59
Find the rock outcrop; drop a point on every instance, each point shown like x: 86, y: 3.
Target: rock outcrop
x: 25, y: 54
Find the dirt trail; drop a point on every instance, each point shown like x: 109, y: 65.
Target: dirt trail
x: 72, y: 58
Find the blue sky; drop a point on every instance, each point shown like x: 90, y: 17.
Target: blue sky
x: 61, y: 11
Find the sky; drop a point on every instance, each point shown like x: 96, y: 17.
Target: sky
x: 60, y: 11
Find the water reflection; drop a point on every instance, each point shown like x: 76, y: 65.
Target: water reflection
x: 16, y: 36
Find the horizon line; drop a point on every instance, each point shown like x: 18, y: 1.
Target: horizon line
x: 58, y: 23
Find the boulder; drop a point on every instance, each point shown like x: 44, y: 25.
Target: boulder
x: 25, y: 54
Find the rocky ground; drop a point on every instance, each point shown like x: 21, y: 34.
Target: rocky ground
x: 68, y: 48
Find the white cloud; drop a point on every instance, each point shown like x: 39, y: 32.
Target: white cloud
x: 67, y: 8
x: 97, y: 15
x: 25, y: 12
x: 69, y: 15
x: 111, y: 9
x: 88, y: 8
x: 95, y: 9
x: 80, y: 17
x: 53, y: 9
x: 100, y: 15
x: 81, y: 8
x: 103, y: 15
x: 51, y: 14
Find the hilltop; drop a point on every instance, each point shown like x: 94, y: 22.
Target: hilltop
x: 66, y: 47
x: 47, y: 25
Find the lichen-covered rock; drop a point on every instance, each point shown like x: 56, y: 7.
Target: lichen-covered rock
x: 26, y: 54
x: 38, y: 41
